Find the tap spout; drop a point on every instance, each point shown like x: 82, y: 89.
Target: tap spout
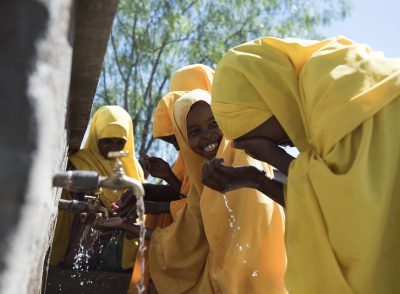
x: 82, y: 206
x: 120, y: 182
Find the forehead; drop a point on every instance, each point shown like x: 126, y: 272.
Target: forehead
x: 199, y: 113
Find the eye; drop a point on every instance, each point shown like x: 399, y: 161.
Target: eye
x: 213, y: 124
x: 193, y: 132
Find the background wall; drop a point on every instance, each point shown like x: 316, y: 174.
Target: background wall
x: 45, y: 45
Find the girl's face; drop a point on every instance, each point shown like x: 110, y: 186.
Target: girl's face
x: 204, y: 135
x: 110, y: 144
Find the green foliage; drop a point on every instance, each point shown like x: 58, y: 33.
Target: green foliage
x: 151, y: 39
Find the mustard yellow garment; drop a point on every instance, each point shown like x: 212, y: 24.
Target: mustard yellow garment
x: 246, y: 252
x: 109, y: 122
x: 192, y: 77
x: 336, y: 100
x: 162, y: 127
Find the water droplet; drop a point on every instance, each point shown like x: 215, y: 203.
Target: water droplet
x: 81, y: 283
x: 240, y: 248
x: 254, y: 274
x: 244, y: 261
x: 247, y: 245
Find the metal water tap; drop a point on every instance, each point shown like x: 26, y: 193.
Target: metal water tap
x: 91, y: 205
x: 81, y: 181
x: 118, y: 180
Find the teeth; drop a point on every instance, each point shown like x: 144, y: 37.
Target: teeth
x: 211, y: 147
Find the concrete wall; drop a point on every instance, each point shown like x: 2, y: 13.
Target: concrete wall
x: 35, y: 63
x: 51, y: 56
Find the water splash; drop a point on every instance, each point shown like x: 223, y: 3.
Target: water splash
x: 142, y: 247
x: 85, y: 249
x: 232, y: 218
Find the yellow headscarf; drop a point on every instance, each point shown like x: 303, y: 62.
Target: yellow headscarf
x: 191, y: 77
x: 107, y: 122
x: 336, y: 100
x: 162, y: 126
x: 250, y: 257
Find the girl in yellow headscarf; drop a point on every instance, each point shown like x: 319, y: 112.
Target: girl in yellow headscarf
x: 187, y: 78
x: 336, y: 101
x: 110, y: 130
x: 242, y: 249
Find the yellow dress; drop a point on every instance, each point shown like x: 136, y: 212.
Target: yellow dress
x: 107, y: 122
x: 337, y: 102
x: 234, y: 249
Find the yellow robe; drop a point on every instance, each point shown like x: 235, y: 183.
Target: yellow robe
x: 337, y: 102
x: 235, y: 251
x: 107, y: 122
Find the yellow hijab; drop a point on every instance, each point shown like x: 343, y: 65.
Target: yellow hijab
x: 250, y: 257
x: 336, y: 100
x: 191, y: 77
x: 162, y: 126
x: 107, y: 122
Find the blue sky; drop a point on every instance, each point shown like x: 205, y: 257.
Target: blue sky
x: 374, y: 22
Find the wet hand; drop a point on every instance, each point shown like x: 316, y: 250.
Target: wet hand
x: 157, y: 167
x: 118, y: 223
x: 227, y: 178
x: 124, y: 204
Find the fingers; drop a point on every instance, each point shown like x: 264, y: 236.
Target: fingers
x: 212, y: 177
x: 217, y: 172
x: 213, y: 185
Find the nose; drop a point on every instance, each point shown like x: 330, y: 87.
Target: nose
x: 206, y: 135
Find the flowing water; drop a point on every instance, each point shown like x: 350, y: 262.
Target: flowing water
x: 81, y: 259
x: 233, y: 224
x: 142, y: 247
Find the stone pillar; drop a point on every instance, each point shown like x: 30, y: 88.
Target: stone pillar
x: 35, y: 65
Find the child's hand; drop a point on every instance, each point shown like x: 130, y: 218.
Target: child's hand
x: 227, y: 178
x: 117, y: 223
x: 157, y: 167
x: 124, y: 204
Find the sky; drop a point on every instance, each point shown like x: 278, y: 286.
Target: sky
x: 374, y: 22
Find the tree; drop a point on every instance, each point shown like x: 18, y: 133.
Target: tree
x: 152, y: 38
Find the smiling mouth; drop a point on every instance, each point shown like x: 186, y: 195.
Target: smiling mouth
x: 286, y: 143
x: 211, y: 147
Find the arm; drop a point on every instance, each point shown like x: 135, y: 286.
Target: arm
x: 266, y: 151
x: 154, y: 194
x: 160, y: 193
x: 118, y: 223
